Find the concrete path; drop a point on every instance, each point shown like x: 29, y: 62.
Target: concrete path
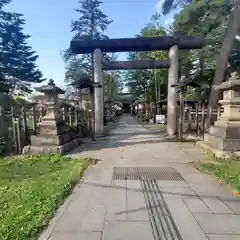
x: 100, y: 208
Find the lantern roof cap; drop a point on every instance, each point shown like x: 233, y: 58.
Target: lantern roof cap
x: 50, y: 88
x: 232, y: 83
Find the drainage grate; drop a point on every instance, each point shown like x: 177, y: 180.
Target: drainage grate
x: 146, y: 173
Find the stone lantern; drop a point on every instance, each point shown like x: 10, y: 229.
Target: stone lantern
x: 224, y: 136
x: 51, y: 92
x: 54, y: 135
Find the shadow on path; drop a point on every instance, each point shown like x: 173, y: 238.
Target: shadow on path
x: 128, y: 132
x: 187, y: 195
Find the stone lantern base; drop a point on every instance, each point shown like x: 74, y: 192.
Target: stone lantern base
x: 54, y: 135
x: 53, y: 143
x: 223, y: 139
x: 53, y: 138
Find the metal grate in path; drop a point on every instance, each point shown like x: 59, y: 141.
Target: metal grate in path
x: 146, y: 173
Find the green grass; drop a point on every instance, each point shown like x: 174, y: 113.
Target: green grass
x: 31, y: 189
x: 227, y: 171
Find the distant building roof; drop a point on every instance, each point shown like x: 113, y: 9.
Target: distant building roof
x: 127, y: 98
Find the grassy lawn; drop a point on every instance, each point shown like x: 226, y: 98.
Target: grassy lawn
x: 31, y: 189
x: 227, y: 171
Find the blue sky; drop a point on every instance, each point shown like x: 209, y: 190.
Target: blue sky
x: 48, y: 22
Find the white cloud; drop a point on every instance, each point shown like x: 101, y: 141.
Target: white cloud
x: 169, y: 21
x: 159, y: 5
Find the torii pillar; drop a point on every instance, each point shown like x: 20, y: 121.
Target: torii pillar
x: 98, y: 92
x: 172, y: 92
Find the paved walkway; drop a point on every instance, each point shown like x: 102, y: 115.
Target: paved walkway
x: 197, y: 208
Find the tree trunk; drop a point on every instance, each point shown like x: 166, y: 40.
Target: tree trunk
x: 222, y: 62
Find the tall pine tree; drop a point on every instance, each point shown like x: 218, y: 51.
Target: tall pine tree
x: 91, y: 24
x: 17, y: 59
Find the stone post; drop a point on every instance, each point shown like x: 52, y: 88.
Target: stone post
x: 65, y: 112
x: 34, y: 120
x: 189, y: 127
x: 70, y: 114
x: 98, y: 92
x: 181, y: 114
x: 172, y: 94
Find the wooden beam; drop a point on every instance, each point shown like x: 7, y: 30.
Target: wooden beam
x: 136, y: 44
x: 136, y: 64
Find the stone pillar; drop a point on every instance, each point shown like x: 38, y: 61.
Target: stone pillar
x: 172, y: 94
x: 190, y: 118
x: 98, y: 92
x: 65, y: 112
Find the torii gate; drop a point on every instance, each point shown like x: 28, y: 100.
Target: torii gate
x: 165, y: 43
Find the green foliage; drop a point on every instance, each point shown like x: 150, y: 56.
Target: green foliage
x: 31, y: 189
x: 18, y: 60
x: 207, y: 19
x: 91, y: 24
x: 8, y: 101
x: 169, y: 5
x: 226, y: 171
x: 149, y: 83
x: 112, y: 85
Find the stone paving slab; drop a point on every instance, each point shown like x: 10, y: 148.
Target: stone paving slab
x: 216, y: 205
x: 178, y: 192
x: 117, y: 230
x: 185, y: 221
x: 75, y: 235
x: 172, y: 184
x: 94, y: 218
x: 104, y: 209
x: 211, y: 189
x: 223, y: 237
x: 219, y: 223
x: 234, y: 206
x: 117, y: 207
x: 196, y: 205
x: 70, y: 221
x: 136, y: 207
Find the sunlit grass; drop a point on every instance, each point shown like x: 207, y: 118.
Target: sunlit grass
x: 31, y: 189
x: 227, y: 171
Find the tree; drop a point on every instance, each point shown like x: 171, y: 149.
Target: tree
x: 111, y: 85
x: 222, y: 62
x: 149, y: 83
x: 91, y: 24
x: 168, y: 5
x: 112, y: 81
x: 209, y: 20
x: 17, y: 59
x: 232, y: 30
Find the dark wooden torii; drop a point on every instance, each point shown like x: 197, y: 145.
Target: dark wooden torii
x: 139, y: 44
x: 136, y: 64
